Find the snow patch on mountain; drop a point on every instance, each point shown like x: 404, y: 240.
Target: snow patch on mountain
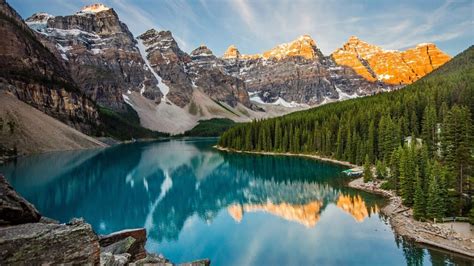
x: 162, y: 86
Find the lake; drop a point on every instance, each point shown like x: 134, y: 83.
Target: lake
x: 236, y: 209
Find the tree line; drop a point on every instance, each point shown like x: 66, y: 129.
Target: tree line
x: 420, y: 138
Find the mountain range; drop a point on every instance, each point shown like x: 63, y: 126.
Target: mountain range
x: 76, y: 66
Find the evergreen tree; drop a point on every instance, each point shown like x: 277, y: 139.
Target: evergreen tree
x: 371, y: 142
x: 419, y: 204
x: 434, y: 202
x: 367, y: 170
x: 429, y: 129
x: 380, y: 170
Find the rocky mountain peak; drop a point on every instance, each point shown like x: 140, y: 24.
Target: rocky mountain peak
x: 304, y: 46
x: 94, y: 8
x: 38, y: 21
x: 201, y: 51
x: 389, y: 66
x: 231, y: 52
x: 362, y: 48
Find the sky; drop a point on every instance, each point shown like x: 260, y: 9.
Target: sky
x: 258, y: 25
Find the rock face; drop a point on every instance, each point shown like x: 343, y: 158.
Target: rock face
x: 169, y: 62
x: 101, y: 54
x: 34, y: 74
x: 296, y: 73
x: 390, y: 67
x: 14, y: 209
x: 184, y: 73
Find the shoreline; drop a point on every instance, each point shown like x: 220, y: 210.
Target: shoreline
x: 401, y: 220
x: 312, y: 156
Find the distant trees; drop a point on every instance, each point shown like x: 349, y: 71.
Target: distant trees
x: 423, y: 134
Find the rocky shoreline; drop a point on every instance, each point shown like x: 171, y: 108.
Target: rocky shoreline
x: 319, y: 158
x: 402, y: 221
x: 401, y: 218
x: 27, y: 237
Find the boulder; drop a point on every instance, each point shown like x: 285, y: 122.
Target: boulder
x: 109, y: 259
x: 14, y: 209
x: 130, y: 241
x: 154, y: 259
x: 41, y: 243
x: 203, y: 262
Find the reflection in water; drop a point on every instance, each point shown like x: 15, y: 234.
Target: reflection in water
x: 191, y: 198
x: 307, y: 214
x: 355, y: 206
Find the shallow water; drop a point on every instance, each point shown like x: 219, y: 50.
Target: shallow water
x: 236, y: 209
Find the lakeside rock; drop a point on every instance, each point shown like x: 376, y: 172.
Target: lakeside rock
x: 27, y: 238
x: 13, y: 208
x: 127, y: 241
x: 31, y: 243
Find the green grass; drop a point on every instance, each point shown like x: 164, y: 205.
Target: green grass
x: 210, y: 128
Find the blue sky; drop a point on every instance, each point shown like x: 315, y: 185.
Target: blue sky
x: 258, y: 25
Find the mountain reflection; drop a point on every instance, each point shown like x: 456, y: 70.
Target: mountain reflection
x: 160, y: 185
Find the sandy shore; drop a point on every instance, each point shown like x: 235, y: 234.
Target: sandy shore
x: 401, y: 219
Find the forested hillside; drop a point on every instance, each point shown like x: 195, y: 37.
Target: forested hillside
x: 435, y: 175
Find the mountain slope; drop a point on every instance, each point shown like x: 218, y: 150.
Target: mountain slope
x: 35, y: 75
x: 28, y: 130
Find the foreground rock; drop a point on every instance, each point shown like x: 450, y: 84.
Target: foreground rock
x: 127, y: 241
x: 405, y: 225
x: 13, y: 208
x: 32, y: 243
x: 27, y: 238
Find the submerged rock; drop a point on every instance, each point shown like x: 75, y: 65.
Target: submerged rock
x: 14, y: 209
x: 34, y: 243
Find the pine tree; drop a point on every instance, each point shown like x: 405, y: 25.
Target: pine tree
x: 367, y: 170
x: 457, y: 146
x: 371, y: 142
x: 433, y: 202
x: 380, y: 170
x: 339, y: 144
x: 419, y: 204
x: 429, y: 126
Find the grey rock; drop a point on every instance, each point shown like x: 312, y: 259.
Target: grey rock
x: 14, y: 209
x: 203, y: 262
x: 131, y: 241
x: 119, y: 247
x: 109, y: 259
x: 39, y: 243
x: 154, y: 259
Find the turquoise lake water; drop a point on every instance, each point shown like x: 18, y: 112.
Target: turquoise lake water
x: 236, y: 209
